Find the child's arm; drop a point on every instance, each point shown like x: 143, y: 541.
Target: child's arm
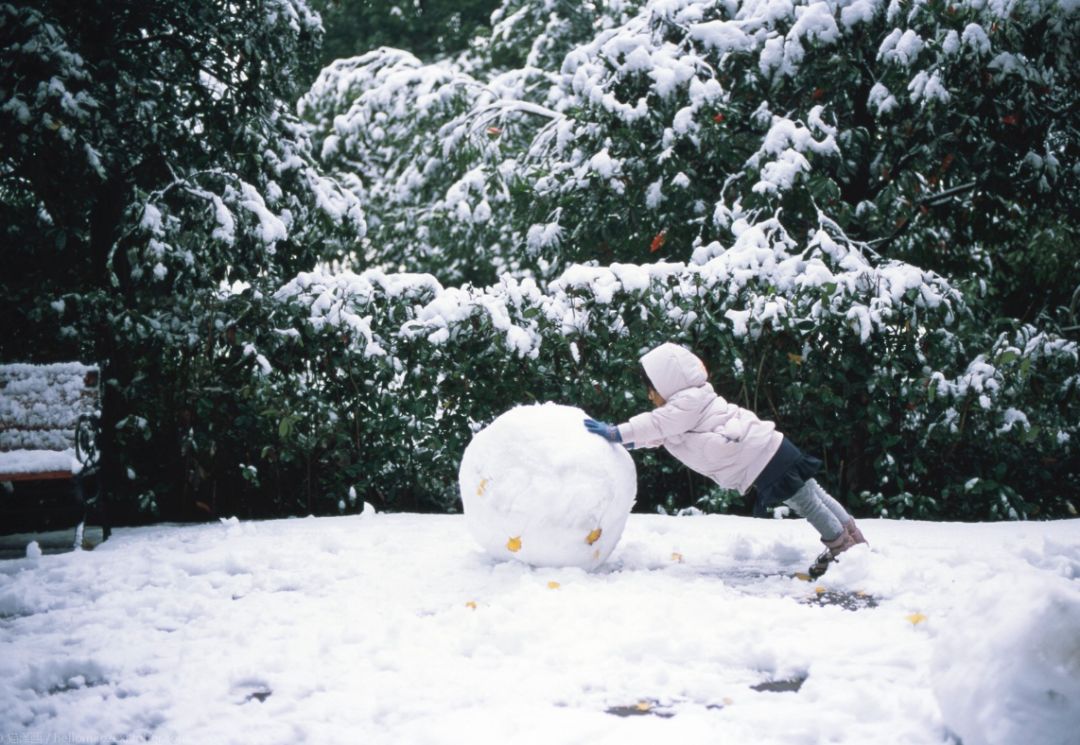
x: 651, y: 428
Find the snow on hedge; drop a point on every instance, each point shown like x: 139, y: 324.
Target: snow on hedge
x: 993, y: 381
x: 338, y: 301
x: 828, y: 297
x: 755, y: 284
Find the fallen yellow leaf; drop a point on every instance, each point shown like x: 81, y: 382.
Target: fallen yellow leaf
x: 819, y: 590
x: 727, y: 701
x: 915, y: 618
x: 471, y: 604
x: 593, y: 536
x: 796, y: 358
x: 514, y: 544
x: 643, y: 706
x: 803, y: 576
x: 553, y: 585
x: 677, y: 557
x: 480, y: 489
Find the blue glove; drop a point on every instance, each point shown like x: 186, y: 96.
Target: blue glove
x: 607, y: 431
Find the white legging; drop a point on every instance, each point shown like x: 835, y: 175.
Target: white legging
x: 819, y: 508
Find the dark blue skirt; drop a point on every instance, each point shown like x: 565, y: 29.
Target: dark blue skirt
x: 782, y: 476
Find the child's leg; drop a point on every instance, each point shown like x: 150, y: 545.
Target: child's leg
x: 807, y: 503
x: 835, y: 507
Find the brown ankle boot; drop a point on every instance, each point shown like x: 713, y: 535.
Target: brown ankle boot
x: 840, y: 544
x: 834, y: 548
x: 852, y: 530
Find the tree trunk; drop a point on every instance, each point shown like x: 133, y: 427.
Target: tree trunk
x: 117, y: 369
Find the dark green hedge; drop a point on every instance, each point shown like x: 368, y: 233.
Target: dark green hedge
x: 348, y: 388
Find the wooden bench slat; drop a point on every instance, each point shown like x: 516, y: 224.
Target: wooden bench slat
x: 38, y: 476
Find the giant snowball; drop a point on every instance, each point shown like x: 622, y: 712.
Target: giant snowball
x: 540, y: 488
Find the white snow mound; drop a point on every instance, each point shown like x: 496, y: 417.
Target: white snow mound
x: 1007, y: 668
x: 538, y: 487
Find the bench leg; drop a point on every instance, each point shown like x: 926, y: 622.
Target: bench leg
x: 80, y: 499
x: 94, y: 509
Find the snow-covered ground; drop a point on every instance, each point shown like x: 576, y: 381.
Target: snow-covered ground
x: 398, y: 629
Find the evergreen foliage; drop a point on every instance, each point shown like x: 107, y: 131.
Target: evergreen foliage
x: 937, y: 133
x: 429, y: 29
x: 149, y: 160
x: 858, y: 212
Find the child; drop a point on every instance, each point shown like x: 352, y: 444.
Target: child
x: 730, y: 445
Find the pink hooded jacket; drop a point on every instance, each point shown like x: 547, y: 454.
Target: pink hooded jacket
x: 725, y: 442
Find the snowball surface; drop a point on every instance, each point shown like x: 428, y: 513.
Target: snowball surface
x: 539, y: 488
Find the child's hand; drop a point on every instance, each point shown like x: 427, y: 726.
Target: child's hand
x: 607, y: 431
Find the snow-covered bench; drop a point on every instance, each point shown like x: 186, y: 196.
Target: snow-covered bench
x: 49, y: 425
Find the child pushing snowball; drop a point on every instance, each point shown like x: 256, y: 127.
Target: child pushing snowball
x: 731, y: 446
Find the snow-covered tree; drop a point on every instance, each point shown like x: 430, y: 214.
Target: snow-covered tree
x: 858, y: 195
x: 148, y: 159
x: 438, y: 150
x: 429, y: 29
x: 934, y: 132
x: 539, y: 34
x: 939, y: 133
x: 429, y: 200
x: 130, y: 131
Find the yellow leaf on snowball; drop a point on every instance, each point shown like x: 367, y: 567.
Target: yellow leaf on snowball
x: 514, y: 544
x: 915, y: 618
x: 480, y: 489
x: 644, y: 706
x: 677, y: 557
x: 803, y: 576
x: 471, y: 604
x: 553, y: 585
x: 593, y: 536
x: 820, y: 590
